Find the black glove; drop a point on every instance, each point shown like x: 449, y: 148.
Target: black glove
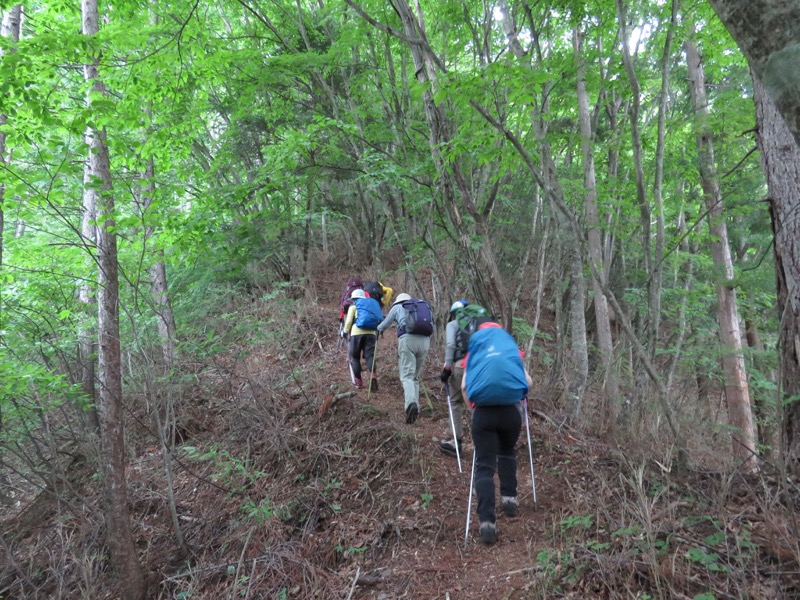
x: 445, y: 374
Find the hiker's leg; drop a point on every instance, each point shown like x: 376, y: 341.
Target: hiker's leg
x: 485, y: 440
x: 355, y: 355
x: 419, y: 345
x: 509, y: 424
x: 368, y: 345
x: 407, y: 363
x: 457, y: 398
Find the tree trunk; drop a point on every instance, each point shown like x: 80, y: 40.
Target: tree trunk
x: 780, y: 159
x: 737, y: 393
x: 9, y: 29
x: 645, y: 213
x: 122, y: 546
x: 602, y: 315
x: 767, y: 33
x: 167, y: 329
x: 450, y: 174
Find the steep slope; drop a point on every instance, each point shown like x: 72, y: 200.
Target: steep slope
x: 278, y: 498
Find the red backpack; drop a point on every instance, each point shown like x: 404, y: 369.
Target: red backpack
x: 354, y: 283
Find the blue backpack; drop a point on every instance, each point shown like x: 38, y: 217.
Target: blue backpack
x: 495, y: 373
x: 419, y: 320
x: 368, y: 313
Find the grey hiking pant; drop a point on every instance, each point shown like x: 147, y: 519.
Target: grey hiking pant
x: 411, y: 353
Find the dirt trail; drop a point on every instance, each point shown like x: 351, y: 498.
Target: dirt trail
x: 434, y: 562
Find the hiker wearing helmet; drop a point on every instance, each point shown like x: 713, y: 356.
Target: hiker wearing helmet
x: 414, y: 322
x: 363, y: 316
x: 495, y: 381
x: 451, y: 375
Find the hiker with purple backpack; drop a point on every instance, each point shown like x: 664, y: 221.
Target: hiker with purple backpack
x: 414, y: 322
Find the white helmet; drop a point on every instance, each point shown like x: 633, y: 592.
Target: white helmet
x: 358, y: 293
x: 402, y: 298
x: 458, y: 304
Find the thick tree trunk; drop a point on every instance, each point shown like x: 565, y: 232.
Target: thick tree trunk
x: 767, y: 33
x: 780, y: 159
x: 122, y: 546
x: 737, y: 393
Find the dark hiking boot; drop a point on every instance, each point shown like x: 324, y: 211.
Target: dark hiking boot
x: 373, y: 384
x: 449, y: 447
x: 412, y: 412
x: 510, y: 506
x: 358, y: 383
x: 488, y: 533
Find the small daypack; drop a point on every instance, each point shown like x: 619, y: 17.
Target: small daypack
x: 380, y: 292
x: 420, y: 319
x: 468, y: 317
x: 353, y: 284
x: 375, y: 290
x: 495, y: 373
x: 368, y: 313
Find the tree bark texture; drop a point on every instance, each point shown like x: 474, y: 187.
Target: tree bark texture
x: 768, y: 35
x: 122, y: 546
x: 780, y: 160
x: 737, y: 392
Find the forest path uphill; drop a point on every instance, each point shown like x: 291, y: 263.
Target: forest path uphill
x: 422, y: 498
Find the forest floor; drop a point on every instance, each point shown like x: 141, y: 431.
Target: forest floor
x: 282, y: 492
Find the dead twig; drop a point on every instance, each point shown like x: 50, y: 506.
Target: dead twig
x: 355, y: 581
x: 333, y: 399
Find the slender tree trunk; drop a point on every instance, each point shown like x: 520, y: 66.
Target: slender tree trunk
x: 167, y: 329
x: 451, y: 176
x: 645, y: 211
x: 780, y: 159
x: 548, y: 181
x: 124, y: 557
x: 602, y: 315
x: 9, y: 29
x: 737, y: 393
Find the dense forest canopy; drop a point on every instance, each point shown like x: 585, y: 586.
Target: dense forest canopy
x: 595, y: 173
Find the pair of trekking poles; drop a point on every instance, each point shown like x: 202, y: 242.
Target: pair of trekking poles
x: 472, y: 475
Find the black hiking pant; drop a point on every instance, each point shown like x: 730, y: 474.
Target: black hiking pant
x: 495, y: 431
x: 362, y: 345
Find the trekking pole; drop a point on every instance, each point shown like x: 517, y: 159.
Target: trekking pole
x: 347, y: 359
x: 453, y: 425
x: 469, y: 503
x: 530, y: 447
x: 372, y: 368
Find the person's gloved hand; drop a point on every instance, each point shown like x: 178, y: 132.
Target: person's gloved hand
x: 445, y: 374
x: 342, y: 334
